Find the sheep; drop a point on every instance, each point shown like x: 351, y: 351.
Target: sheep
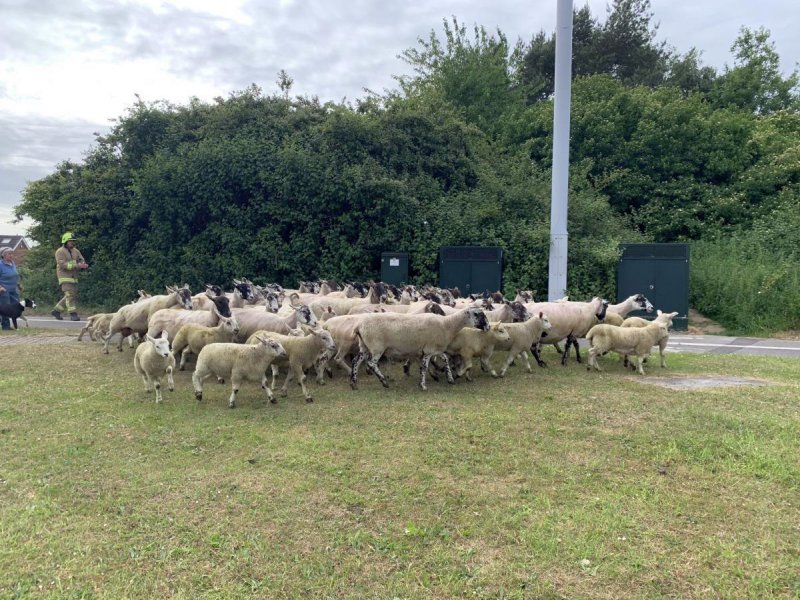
x: 202, y: 301
x: 627, y: 340
x: 523, y: 337
x: 569, y: 320
x: 192, y: 338
x: 525, y: 296
x: 151, y: 361
x: 171, y: 320
x: 251, y: 320
x: 616, y: 313
x: 665, y: 318
x: 303, y: 352
x: 410, y: 336
x: 415, y: 308
x: 242, y: 293
x: 133, y: 318
x: 342, y: 329
x: 96, y: 325
x: 470, y: 342
x: 239, y: 362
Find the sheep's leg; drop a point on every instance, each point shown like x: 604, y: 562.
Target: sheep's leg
x: 593, y: 360
x: 85, y: 329
x: 423, y: 369
x: 536, y: 350
x: 463, y: 370
x: 265, y: 387
x: 170, y: 380
x: 486, y: 365
x: 558, y: 348
x: 146, y: 380
x: 339, y: 360
x: 372, y: 363
x: 359, y: 358
x: 577, y: 349
x: 275, y: 371
x: 105, y: 341
x: 661, y: 347
x: 158, y: 390
x: 407, y: 367
x: 184, y: 357
x: 639, y: 367
x: 197, y: 381
x: 565, y: 355
x: 524, y: 355
x: 447, y: 369
x: 301, y: 378
x: 285, y: 386
x: 234, y: 391
x: 507, y: 363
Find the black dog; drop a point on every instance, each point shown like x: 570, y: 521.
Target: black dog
x: 14, y: 311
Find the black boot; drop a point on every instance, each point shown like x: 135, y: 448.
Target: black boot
x: 56, y: 314
x: 74, y: 317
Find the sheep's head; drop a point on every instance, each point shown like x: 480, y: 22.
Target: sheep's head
x: 642, y: 303
x: 274, y: 347
x: 434, y: 308
x: 477, y: 319
x: 546, y: 325
x: 230, y: 324
x: 222, y: 305
x: 273, y: 304
x: 160, y: 344
x: 500, y: 332
x: 185, y: 296
x: 601, y: 311
x: 329, y: 346
x: 519, y: 312
x: 305, y: 316
x: 666, y: 318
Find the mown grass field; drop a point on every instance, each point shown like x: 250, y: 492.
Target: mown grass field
x: 558, y: 484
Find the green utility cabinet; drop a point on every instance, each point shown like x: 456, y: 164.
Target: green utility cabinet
x: 394, y: 268
x: 472, y: 269
x: 660, y: 272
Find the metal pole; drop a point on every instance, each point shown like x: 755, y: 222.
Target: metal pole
x: 557, y: 284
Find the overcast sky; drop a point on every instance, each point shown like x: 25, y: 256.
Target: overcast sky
x: 67, y: 67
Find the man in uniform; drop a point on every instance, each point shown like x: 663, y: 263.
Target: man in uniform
x: 69, y: 261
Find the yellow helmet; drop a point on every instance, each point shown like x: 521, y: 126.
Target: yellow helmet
x: 67, y: 237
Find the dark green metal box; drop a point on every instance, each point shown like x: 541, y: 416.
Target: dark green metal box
x: 394, y: 267
x: 472, y: 269
x: 660, y: 272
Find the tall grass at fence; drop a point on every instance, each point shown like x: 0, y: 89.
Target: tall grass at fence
x: 747, y: 287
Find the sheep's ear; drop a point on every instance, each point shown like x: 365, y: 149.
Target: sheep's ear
x: 164, y: 335
x: 658, y: 312
x: 306, y: 329
x: 541, y: 315
x: 673, y: 315
x: 149, y: 338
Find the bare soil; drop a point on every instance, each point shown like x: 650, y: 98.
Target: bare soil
x: 700, y: 325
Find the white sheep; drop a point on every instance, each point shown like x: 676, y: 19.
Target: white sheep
x: 661, y: 317
x: 238, y: 362
x: 570, y: 321
x: 133, y: 318
x: 523, y: 337
x: 96, y: 326
x: 192, y: 338
x: 172, y: 319
x: 152, y: 360
x: 627, y: 340
x: 252, y: 320
x: 303, y: 352
x: 470, y: 342
x: 410, y: 336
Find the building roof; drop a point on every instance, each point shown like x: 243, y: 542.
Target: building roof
x: 16, y: 242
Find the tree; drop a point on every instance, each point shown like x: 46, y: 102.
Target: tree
x: 755, y: 82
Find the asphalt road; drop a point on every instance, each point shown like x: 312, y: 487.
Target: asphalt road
x: 678, y: 342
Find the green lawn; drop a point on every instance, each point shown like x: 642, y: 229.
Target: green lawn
x: 562, y: 483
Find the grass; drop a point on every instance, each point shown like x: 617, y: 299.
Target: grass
x: 559, y: 484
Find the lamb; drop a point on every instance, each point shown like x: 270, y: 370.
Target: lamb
x: 616, y: 313
x: 523, y: 337
x: 410, y: 336
x: 508, y: 312
x: 665, y: 318
x: 239, y: 362
x: 192, y: 338
x: 133, y: 318
x: 470, y: 342
x: 570, y: 321
x: 151, y: 361
x: 252, y: 320
x: 627, y: 340
x: 312, y: 349
x: 96, y: 325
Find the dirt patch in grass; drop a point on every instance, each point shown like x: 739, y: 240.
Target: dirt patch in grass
x: 701, y: 325
x: 695, y: 383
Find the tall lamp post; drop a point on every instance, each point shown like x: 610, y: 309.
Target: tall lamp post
x: 557, y: 282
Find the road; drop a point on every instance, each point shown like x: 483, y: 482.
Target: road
x: 678, y: 342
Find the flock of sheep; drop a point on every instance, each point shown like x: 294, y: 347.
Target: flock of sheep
x: 318, y: 327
